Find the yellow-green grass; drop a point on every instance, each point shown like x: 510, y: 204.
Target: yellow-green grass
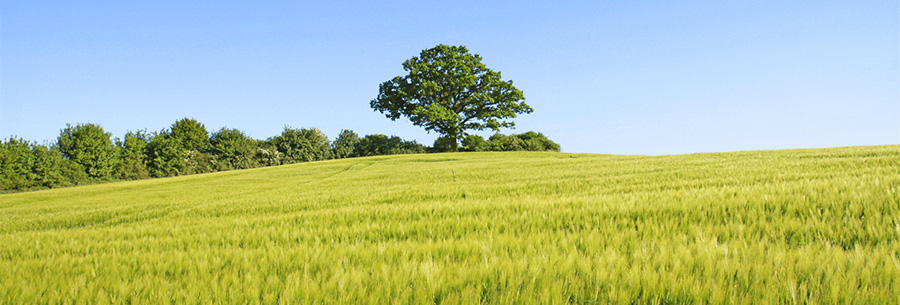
x: 790, y: 226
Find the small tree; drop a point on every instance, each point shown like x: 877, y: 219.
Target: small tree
x: 89, y: 146
x: 535, y: 141
x: 529, y: 141
x: 132, y: 162
x: 25, y: 165
x: 192, y: 141
x: 344, y: 144
x: 266, y: 154
x: 474, y: 142
x: 165, y: 157
x: 500, y: 142
x: 52, y: 170
x: 441, y: 144
x: 409, y: 147
x: 233, y: 149
x: 16, y: 162
x: 450, y: 91
x: 190, y: 135
x: 379, y: 144
x: 374, y: 145
x: 302, y: 145
x: 181, y: 150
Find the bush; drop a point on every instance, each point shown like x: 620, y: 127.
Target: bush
x: 409, y: 147
x: 198, y: 163
x: 52, y: 170
x: 189, y: 134
x: 302, y: 145
x: 16, y: 162
x: 192, y: 141
x: 132, y: 156
x: 86, y: 152
x: 232, y: 149
x: 529, y: 141
x: 344, y: 144
x: 379, y: 144
x: 165, y: 157
x: 441, y: 144
x: 26, y: 165
x: 535, y: 141
x: 266, y: 154
x: 89, y: 146
x: 474, y: 143
x: 499, y: 142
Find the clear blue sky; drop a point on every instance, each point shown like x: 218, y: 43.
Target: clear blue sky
x: 620, y: 77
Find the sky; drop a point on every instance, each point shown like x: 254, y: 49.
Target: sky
x: 610, y: 77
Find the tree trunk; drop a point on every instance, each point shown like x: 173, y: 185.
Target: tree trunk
x: 454, y: 147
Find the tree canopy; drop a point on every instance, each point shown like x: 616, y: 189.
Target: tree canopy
x: 233, y: 148
x: 344, y: 144
x: 302, y: 145
x: 85, y: 153
x: 190, y: 134
x: 448, y: 90
x: 90, y: 146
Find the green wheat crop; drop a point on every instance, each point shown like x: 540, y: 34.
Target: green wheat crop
x: 817, y: 226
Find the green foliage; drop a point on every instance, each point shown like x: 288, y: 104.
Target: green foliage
x: 165, y: 156
x: 811, y: 226
x: 16, y: 163
x: 469, y: 143
x: 85, y: 153
x: 535, y: 141
x: 529, y: 141
x: 52, y: 170
x: 302, y: 145
x: 344, y: 144
x: 499, y: 142
x: 198, y: 163
x: 89, y: 146
x: 25, y: 166
x: 133, y: 156
x: 475, y: 143
x: 192, y: 140
x: 442, y: 144
x: 379, y: 144
x: 267, y: 154
x: 233, y: 149
x: 450, y: 91
x: 190, y: 135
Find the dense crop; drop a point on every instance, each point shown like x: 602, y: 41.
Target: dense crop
x: 792, y: 226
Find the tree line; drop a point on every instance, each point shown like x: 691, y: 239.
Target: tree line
x: 85, y: 153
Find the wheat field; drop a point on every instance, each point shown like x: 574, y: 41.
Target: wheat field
x: 817, y: 226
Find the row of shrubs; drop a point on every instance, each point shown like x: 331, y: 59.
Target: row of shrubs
x: 85, y: 153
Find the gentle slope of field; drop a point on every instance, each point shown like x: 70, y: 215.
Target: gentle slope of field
x: 791, y: 226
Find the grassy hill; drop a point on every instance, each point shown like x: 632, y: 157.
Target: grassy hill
x: 790, y: 226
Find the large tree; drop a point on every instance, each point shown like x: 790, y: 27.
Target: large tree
x: 450, y: 91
